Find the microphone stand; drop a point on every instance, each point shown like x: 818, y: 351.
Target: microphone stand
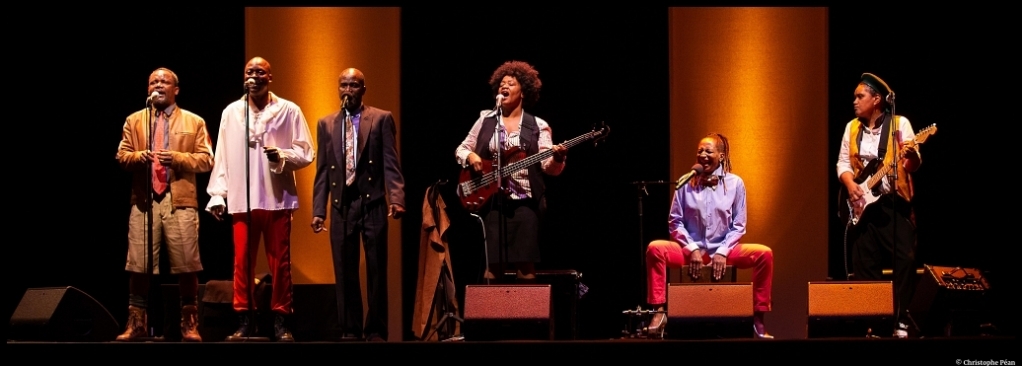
x: 641, y: 190
x: 893, y: 178
x: 150, y: 199
x: 250, y: 293
x: 499, y: 202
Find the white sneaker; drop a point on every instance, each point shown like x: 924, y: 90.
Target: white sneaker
x: 901, y: 331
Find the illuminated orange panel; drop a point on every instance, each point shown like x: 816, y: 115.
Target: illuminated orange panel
x: 308, y: 47
x: 759, y: 76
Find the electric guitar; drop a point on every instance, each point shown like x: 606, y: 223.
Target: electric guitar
x: 869, y: 178
x: 476, y: 188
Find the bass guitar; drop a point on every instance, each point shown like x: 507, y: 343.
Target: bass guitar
x: 476, y: 188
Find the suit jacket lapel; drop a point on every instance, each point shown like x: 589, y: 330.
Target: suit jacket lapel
x: 364, y: 126
x: 338, y: 137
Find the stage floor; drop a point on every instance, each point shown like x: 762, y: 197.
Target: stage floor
x: 931, y: 351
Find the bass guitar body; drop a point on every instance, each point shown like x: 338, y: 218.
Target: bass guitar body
x: 476, y: 188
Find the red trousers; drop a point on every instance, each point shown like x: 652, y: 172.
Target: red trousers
x: 663, y: 253
x: 275, y: 228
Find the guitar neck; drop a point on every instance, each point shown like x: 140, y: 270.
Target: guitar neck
x: 920, y: 137
x: 880, y: 174
x: 533, y: 159
x: 886, y: 168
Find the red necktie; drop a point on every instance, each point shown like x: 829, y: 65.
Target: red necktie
x: 159, y: 137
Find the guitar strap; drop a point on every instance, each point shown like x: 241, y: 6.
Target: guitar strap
x: 885, y: 133
x: 858, y: 130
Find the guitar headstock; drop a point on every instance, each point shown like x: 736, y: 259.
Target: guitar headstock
x: 925, y: 133
x: 599, y: 133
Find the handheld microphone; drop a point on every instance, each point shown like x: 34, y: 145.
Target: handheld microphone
x: 149, y: 100
x: 696, y: 169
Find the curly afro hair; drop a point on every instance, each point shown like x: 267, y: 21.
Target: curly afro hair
x: 527, y: 76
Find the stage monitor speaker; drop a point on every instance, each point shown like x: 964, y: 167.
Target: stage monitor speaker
x: 61, y: 314
x: 709, y: 310
x: 949, y: 301
x: 566, y: 289
x: 508, y: 312
x: 850, y: 309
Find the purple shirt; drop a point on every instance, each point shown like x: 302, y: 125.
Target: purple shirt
x: 709, y: 218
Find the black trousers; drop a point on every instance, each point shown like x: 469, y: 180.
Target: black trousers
x: 520, y: 241
x: 886, y: 238
x: 360, y: 222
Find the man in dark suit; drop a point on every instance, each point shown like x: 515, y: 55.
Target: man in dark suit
x: 357, y: 173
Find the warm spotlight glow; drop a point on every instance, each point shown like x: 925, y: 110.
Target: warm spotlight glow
x: 308, y: 48
x: 759, y: 76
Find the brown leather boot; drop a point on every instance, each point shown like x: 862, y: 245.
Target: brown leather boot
x: 190, y: 324
x: 137, y: 325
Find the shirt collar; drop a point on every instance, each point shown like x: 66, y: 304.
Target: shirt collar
x: 358, y: 110
x: 880, y: 121
x: 169, y: 110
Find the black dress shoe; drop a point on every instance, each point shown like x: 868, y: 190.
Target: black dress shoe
x: 246, y: 328
x: 350, y: 337
x: 280, y: 330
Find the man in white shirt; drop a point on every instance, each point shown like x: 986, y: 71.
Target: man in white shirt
x: 254, y: 181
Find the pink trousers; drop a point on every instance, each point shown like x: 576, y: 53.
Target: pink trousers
x: 663, y: 253
x: 275, y: 228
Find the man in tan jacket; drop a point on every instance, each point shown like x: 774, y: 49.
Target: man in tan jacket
x: 164, y: 147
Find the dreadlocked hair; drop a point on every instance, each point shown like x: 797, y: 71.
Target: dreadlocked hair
x: 724, y: 148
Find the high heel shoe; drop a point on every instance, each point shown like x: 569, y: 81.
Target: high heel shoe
x: 655, y: 329
x: 759, y: 335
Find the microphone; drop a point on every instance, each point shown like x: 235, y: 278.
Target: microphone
x: 249, y: 83
x: 149, y: 100
x: 500, y: 98
x: 696, y: 169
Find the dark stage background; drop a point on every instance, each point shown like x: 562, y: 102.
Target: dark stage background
x: 597, y: 64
